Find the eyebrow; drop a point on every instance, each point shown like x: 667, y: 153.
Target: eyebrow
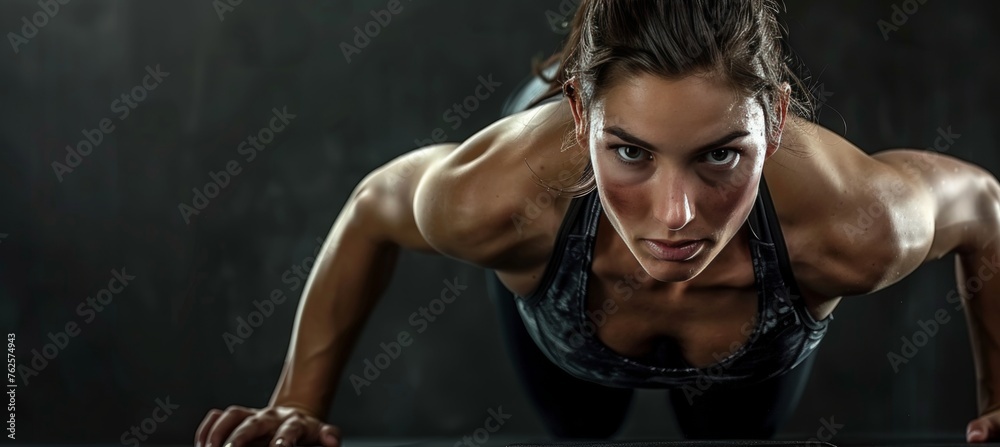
x: 624, y: 135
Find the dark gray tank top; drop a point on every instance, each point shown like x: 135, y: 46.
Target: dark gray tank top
x: 554, y: 314
x: 785, y: 333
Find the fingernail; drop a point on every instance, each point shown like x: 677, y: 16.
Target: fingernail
x: 228, y: 444
x: 975, y: 433
x: 279, y: 441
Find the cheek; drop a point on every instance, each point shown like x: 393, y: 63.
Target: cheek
x: 622, y: 202
x: 722, y: 204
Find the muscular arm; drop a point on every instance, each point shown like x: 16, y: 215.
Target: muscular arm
x: 351, y: 272
x: 963, y: 202
x: 449, y: 199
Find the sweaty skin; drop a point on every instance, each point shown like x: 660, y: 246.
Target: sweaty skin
x: 701, y: 303
x: 477, y: 201
x: 928, y: 205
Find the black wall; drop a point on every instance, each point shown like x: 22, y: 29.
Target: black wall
x: 162, y: 335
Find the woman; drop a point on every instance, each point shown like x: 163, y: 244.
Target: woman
x: 665, y: 216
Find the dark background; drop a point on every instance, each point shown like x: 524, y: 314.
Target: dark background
x: 162, y: 335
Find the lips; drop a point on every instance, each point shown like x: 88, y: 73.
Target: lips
x: 674, y: 250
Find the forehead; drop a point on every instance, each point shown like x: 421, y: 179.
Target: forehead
x: 669, y: 109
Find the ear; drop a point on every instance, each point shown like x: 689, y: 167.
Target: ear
x: 781, y: 109
x: 571, y: 90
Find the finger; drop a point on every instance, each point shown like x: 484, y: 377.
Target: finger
x: 229, y: 420
x: 299, y: 431
x: 253, y: 427
x: 979, y: 430
x: 201, y: 435
x: 330, y: 435
x: 291, y: 433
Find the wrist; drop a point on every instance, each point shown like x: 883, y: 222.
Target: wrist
x: 302, y: 407
x: 307, y: 406
x: 990, y: 407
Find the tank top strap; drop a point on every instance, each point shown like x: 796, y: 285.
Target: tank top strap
x: 763, y: 222
x: 567, y: 254
x: 592, y: 212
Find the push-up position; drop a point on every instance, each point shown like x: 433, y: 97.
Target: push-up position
x: 690, y: 227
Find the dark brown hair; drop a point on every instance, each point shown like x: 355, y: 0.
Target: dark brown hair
x: 739, y: 40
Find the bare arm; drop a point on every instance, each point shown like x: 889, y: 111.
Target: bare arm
x: 963, y: 202
x: 355, y: 264
x: 450, y: 199
x: 350, y: 274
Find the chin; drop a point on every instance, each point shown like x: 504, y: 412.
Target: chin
x: 674, y: 271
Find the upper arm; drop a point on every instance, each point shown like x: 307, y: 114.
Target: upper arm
x: 461, y: 199
x: 959, y: 198
x: 472, y: 203
x: 908, y: 207
x: 384, y: 201
x: 449, y: 198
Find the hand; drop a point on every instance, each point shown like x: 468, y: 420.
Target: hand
x: 278, y: 426
x: 985, y: 428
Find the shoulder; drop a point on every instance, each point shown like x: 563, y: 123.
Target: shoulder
x: 482, y: 203
x: 853, y: 224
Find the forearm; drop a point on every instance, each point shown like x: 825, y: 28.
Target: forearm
x: 350, y: 274
x: 978, y: 274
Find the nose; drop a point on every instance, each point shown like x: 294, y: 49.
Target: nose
x: 675, y: 209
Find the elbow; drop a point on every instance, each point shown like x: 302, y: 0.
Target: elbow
x: 984, y: 205
x: 989, y: 211
x: 992, y: 192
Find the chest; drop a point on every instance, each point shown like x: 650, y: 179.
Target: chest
x: 704, y: 320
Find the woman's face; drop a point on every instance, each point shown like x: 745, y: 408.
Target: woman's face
x: 677, y: 164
